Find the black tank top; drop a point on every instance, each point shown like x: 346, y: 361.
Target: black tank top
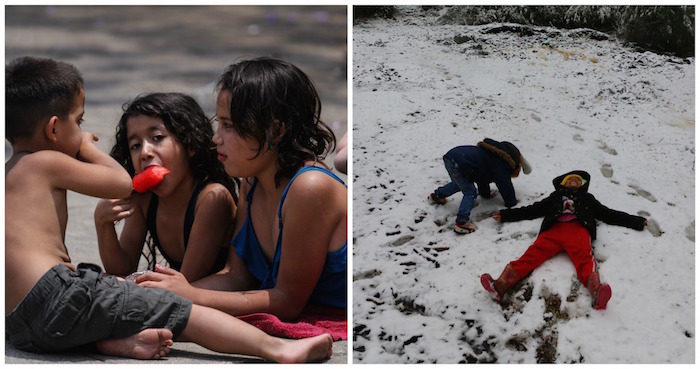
x: 187, y: 228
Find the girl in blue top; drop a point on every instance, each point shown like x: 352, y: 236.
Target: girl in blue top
x: 291, y: 230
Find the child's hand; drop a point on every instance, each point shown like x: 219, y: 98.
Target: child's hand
x: 113, y: 210
x: 88, y: 141
x: 89, y: 137
x: 87, y: 147
x: 496, y: 216
x: 166, y: 279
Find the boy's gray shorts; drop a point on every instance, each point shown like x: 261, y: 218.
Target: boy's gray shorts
x: 67, y: 309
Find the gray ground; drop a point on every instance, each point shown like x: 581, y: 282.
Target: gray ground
x: 126, y: 51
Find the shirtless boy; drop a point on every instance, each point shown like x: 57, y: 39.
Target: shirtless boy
x: 50, y: 304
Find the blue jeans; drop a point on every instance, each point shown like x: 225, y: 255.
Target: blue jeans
x: 459, y: 183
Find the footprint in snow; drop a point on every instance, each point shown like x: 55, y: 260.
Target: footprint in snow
x: 652, y: 225
x: 654, y: 228
x: 402, y: 240
x: 366, y: 274
x: 478, y: 217
x: 440, y: 221
x: 603, y: 146
x: 690, y: 231
x: 643, y: 193
x: 607, y: 170
x: 420, y: 216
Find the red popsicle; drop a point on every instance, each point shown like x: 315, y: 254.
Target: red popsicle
x: 149, y: 178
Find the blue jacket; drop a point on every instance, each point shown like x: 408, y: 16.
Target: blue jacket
x: 483, y: 167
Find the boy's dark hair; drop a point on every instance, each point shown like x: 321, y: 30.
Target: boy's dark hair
x: 185, y: 119
x: 35, y: 90
x: 276, y: 103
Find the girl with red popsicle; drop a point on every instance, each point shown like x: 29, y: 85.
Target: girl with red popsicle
x: 289, y: 253
x: 184, y: 202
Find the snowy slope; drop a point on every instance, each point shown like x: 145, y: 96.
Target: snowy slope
x: 568, y: 102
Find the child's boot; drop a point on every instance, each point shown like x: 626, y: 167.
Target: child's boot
x: 600, y: 293
x: 497, y: 288
x: 436, y: 199
x: 465, y: 227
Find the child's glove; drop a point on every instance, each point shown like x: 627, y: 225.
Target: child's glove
x: 149, y: 178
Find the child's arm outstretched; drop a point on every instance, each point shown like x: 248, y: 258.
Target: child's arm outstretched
x: 618, y: 218
x: 94, y: 173
x: 533, y: 211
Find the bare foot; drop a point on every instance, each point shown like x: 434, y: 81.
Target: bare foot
x: 151, y: 343
x: 312, y: 349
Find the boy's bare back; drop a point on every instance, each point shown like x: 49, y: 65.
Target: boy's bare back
x: 36, y: 212
x: 35, y: 223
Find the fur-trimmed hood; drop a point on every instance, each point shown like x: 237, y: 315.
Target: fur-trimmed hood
x: 507, y: 152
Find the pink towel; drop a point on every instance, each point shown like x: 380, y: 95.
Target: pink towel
x: 308, y: 325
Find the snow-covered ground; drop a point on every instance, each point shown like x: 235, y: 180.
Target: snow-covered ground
x: 568, y: 102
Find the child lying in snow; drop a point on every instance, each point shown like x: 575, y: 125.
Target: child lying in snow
x: 569, y: 225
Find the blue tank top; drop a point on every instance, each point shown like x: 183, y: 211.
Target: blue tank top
x: 331, y: 289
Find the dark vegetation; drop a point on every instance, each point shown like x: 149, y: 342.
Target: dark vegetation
x: 660, y: 29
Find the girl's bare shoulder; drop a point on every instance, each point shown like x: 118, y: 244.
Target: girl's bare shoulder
x: 316, y: 187
x: 215, y: 197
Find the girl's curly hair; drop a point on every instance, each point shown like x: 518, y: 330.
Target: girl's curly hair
x: 185, y: 119
x: 276, y: 104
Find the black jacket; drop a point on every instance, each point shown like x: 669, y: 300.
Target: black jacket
x: 587, y: 208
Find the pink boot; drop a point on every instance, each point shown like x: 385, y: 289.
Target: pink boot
x: 497, y: 288
x: 601, y: 293
x: 489, y: 286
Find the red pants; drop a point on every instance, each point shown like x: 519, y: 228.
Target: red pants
x: 570, y: 237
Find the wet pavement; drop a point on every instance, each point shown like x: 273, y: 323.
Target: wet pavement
x: 124, y: 51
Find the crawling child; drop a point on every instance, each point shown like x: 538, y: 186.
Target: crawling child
x: 569, y: 225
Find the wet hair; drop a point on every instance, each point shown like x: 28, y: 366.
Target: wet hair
x: 276, y: 104
x: 35, y: 90
x: 184, y: 119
